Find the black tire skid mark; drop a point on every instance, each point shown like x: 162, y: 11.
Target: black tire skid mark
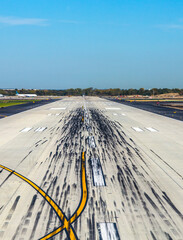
x: 96, y: 115
x: 50, y: 189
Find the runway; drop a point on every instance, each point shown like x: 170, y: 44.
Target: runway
x: 88, y: 168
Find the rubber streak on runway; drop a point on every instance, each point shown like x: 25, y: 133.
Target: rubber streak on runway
x: 89, y: 175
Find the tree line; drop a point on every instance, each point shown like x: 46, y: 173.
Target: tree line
x: 92, y: 91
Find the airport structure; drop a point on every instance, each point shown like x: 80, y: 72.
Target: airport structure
x: 91, y: 169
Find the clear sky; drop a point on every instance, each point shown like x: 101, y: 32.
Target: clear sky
x: 61, y: 44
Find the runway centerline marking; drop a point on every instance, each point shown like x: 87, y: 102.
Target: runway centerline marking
x: 108, y: 231
x: 66, y: 223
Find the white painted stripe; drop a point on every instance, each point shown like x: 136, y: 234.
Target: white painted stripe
x: 26, y: 129
x: 108, y: 231
x: 151, y: 129
x: 49, y: 114
x: 123, y: 114
x: 57, y: 114
x: 137, y: 129
x: 113, y: 108
x: 115, y: 114
x: 57, y: 108
x: 98, y: 178
x: 40, y: 129
x: 91, y: 141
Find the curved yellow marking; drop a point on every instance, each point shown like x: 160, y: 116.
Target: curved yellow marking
x: 66, y: 223
x: 82, y: 204
x: 84, y: 192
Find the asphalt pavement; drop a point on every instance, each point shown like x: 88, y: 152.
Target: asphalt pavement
x: 8, y: 111
x: 155, y: 107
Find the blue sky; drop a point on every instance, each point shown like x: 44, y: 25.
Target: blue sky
x: 61, y: 44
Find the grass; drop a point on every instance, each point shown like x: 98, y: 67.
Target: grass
x: 8, y: 103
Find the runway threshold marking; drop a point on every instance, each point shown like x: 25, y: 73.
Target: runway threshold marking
x: 66, y: 223
x: 82, y: 204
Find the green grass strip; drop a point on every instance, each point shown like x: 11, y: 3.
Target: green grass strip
x: 8, y: 103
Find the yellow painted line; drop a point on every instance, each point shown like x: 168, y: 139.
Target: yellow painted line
x: 82, y: 203
x: 84, y: 191
x: 66, y: 223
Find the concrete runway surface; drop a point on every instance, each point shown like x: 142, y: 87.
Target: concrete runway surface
x: 88, y: 168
